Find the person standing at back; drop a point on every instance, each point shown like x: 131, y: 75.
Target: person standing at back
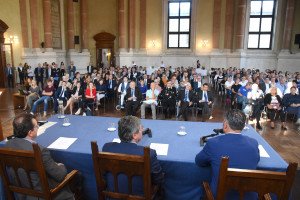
x: 242, y: 151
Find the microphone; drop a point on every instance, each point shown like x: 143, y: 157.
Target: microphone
x: 148, y: 131
x: 218, y: 131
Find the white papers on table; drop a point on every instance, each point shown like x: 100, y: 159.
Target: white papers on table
x: 117, y: 140
x: 62, y: 143
x: 263, y: 152
x: 44, y: 127
x: 0, y: 92
x: 161, y: 149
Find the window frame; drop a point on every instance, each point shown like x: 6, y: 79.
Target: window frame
x: 179, y: 17
x: 259, y: 33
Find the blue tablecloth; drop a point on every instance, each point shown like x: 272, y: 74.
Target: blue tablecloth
x: 183, y: 177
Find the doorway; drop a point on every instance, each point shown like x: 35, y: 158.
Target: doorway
x: 5, y: 58
x: 105, y: 49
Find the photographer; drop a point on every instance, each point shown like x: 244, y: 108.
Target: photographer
x: 242, y: 151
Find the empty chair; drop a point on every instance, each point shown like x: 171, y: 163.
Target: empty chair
x: 259, y: 181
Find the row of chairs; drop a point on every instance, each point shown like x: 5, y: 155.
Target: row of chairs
x: 241, y: 180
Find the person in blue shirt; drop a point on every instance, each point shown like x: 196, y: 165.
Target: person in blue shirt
x: 292, y: 102
x: 143, y: 88
x: 151, y: 99
x: 281, y: 84
x: 242, y: 94
x: 242, y: 151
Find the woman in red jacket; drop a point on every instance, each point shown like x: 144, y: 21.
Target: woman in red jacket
x: 90, y: 97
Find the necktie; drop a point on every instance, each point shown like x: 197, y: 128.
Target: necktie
x: 110, y: 83
x: 9, y: 71
x: 132, y: 93
x: 62, y: 92
x: 186, y: 96
x: 39, y: 70
x: 205, y: 97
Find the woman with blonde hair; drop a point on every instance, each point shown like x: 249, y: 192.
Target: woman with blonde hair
x: 34, y: 91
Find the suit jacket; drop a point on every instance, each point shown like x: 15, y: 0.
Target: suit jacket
x: 209, y: 96
x: 7, y: 72
x: 21, y: 72
x: 59, y: 90
x: 263, y: 87
x: 55, y: 173
x: 137, y: 94
x: 137, y: 182
x: 168, y: 93
x: 242, y: 151
x: 195, y: 86
x: 87, y: 69
x: 80, y: 93
x: 47, y: 73
x: 114, y: 84
x: 36, y: 73
x: 181, y: 95
x: 72, y: 71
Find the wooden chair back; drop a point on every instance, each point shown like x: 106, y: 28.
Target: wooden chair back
x: 261, y: 182
x: 115, y: 163
x: 28, y: 161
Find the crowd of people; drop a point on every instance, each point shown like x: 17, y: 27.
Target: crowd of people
x: 175, y: 90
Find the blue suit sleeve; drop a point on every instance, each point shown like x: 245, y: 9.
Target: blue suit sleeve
x: 203, y: 158
x: 156, y: 170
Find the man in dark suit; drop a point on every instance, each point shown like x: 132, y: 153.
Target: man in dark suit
x: 90, y: 68
x: 204, y: 100
x: 49, y: 71
x: 21, y: 73
x: 265, y: 86
x: 111, y: 86
x: 242, y: 151
x: 62, y: 94
x: 9, y: 73
x: 72, y: 70
x: 39, y: 73
x: 147, y: 81
x: 25, y: 131
x: 185, y: 100
x: 197, y: 84
x: 168, y: 96
x: 133, y: 99
x: 130, y: 133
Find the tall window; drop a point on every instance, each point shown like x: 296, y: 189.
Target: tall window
x: 179, y: 24
x: 261, y: 24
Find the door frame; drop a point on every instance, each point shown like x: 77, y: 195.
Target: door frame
x: 105, y: 40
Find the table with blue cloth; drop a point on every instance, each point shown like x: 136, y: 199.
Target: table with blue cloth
x: 183, y: 177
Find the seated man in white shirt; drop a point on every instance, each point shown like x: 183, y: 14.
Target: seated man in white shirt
x: 122, y: 89
x: 151, y: 99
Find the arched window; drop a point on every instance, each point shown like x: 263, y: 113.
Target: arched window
x: 179, y: 24
x: 261, y: 25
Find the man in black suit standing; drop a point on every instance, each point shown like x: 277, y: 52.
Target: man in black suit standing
x: 25, y: 131
x: 205, y: 100
x: 9, y: 73
x: 49, y: 71
x: 111, y: 86
x: 133, y: 99
x: 185, y: 100
x: 21, y: 73
x: 168, y: 95
x: 39, y: 73
x: 90, y: 68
